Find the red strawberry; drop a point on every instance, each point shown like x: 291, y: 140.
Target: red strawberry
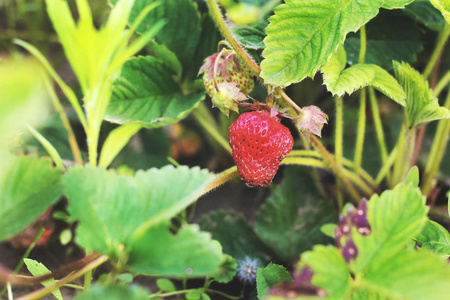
x: 234, y: 81
x: 259, y: 142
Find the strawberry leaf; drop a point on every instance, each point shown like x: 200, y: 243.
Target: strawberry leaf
x: 339, y: 80
x: 27, y: 188
x: 425, y: 13
x: 392, y: 4
x: 395, y: 217
x: 303, y: 34
x: 192, y: 253
x: 269, y: 276
x: 444, y: 7
x: 291, y: 219
x: 435, y: 238
x: 146, y: 93
x: 421, y: 106
x: 134, y: 203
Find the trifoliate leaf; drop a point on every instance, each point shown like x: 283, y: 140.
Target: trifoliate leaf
x: 421, y: 106
x: 339, y: 80
x: 111, y: 208
x: 146, y: 93
x: 396, y: 216
x: 303, y: 34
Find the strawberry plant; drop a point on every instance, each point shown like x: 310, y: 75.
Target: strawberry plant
x: 245, y: 149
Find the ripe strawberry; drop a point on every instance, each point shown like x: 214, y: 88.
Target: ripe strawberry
x: 234, y: 81
x: 259, y: 142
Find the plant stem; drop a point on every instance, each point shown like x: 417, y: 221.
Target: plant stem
x: 362, y: 107
x: 336, y: 169
x: 363, y: 44
x: 361, y: 130
x: 221, y: 178
x: 441, y: 84
x: 405, y: 151
x: 65, y: 121
x: 338, y: 146
x: 378, y: 125
x: 316, y: 163
x: 436, y: 152
x: 384, y: 171
x: 226, y: 33
x: 208, y: 123
x: 443, y: 36
x: 69, y: 278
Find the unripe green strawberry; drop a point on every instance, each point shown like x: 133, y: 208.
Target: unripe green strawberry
x: 234, y: 81
x: 259, y: 143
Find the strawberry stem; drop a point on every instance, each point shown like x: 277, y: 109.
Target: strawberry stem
x: 216, y: 63
x: 223, y: 28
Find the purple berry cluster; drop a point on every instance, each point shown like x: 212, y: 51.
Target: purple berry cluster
x: 355, y: 218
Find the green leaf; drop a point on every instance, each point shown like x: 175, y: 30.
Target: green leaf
x: 165, y: 285
x: 116, y: 140
x: 134, y: 203
x: 269, y: 276
x: 413, y: 177
x: 189, y: 253
x: 251, y: 36
x: 37, y: 269
x: 395, y: 217
x: 411, y: 275
x: 328, y: 229
x: 48, y: 147
x: 182, y: 30
x: 28, y: 188
x: 435, y: 238
x: 385, y: 44
x: 303, y: 34
x: 330, y: 270
x: 393, y: 4
x: 146, y: 93
x: 421, y: 107
x: 227, y: 270
x: 444, y: 7
x: 427, y: 14
x: 237, y: 237
x: 339, y: 80
x: 168, y: 57
x: 114, y: 292
x: 291, y: 219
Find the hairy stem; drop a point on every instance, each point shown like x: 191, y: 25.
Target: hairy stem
x: 338, y: 145
x: 65, y: 121
x: 226, y: 33
x: 335, y: 168
x: 362, y: 106
x: 436, y: 152
x: 443, y: 36
x: 221, y: 178
x: 208, y: 123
